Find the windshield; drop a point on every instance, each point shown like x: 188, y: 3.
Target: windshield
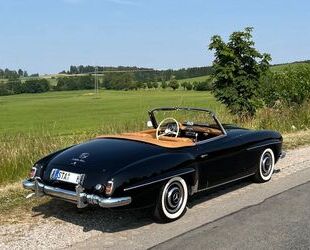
x: 186, y: 116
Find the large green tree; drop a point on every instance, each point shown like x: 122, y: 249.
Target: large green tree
x: 173, y: 84
x: 238, y: 68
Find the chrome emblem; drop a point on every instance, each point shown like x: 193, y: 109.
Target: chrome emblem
x: 81, y: 158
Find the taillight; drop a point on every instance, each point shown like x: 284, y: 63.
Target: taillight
x: 32, y: 173
x: 109, y: 188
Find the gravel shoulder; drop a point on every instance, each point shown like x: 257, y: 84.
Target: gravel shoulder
x: 56, y: 224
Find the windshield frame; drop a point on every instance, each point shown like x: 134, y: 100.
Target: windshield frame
x: 155, y: 123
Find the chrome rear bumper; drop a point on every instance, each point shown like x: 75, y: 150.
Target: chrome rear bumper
x: 79, y: 197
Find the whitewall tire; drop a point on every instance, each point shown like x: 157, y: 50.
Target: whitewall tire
x: 172, y: 200
x: 266, y: 166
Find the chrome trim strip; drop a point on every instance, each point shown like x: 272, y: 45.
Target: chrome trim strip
x: 224, y: 183
x: 266, y: 144
x: 211, y: 139
x: 159, y: 180
x: 79, y: 197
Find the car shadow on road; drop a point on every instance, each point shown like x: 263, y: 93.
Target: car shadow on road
x: 115, y: 220
x: 95, y: 218
x: 218, y: 191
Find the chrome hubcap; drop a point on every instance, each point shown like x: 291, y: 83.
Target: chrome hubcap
x: 266, y: 164
x: 174, y: 197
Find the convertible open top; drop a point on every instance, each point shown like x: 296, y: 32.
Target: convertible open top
x: 149, y: 136
x: 196, y: 125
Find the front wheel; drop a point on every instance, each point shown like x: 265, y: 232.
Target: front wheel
x: 266, y: 166
x: 172, y: 200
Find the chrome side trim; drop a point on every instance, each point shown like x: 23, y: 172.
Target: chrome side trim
x: 211, y: 139
x: 224, y: 183
x: 263, y: 145
x: 79, y: 197
x: 159, y: 180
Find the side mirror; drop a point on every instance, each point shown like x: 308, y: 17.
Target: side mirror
x: 149, y: 124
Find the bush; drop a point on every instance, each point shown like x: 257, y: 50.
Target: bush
x: 173, y: 84
x: 4, y: 89
x: 289, y: 87
x: 36, y: 86
x: 164, y: 84
x: 189, y: 86
x: 120, y: 81
x: 13, y: 87
x: 202, y: 86
x: 75, y: 83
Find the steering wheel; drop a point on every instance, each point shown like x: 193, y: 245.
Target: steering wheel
x: 167, y: 129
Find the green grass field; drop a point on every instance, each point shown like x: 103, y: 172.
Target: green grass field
x: 195, y: 79
x: 77, y: 112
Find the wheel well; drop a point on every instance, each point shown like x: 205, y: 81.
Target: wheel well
x: 191, y: 181
x: 276, y: 152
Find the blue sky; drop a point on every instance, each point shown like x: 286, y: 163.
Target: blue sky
x: 47, y: 36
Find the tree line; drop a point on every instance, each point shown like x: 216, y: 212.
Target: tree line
x: 16, y: 86
x: 142, y: 75
x: 12, y: 74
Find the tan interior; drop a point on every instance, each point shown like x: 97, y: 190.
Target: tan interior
x: 149, y: 136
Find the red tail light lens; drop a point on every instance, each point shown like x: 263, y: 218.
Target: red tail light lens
x: 32, y: 173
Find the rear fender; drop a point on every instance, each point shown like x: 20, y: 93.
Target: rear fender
x: 274, y: 144
x: 154, y: 170
x: 41, y: 164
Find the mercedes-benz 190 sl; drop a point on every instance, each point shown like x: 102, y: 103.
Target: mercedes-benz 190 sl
x: 186, y: 151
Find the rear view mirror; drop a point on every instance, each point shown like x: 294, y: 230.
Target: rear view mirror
x: 149, y: 124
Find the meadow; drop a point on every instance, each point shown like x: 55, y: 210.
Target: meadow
x: 33, y: 125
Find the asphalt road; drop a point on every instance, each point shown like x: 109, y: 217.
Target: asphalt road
x: 280, y: 222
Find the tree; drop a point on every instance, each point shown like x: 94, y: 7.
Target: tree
x: 20, y: 72
x: 149, y: 85
x: 36, y: 86
x: 238, y: 67
x: 189, y: 86
x: 14, y: 87
x: 183, y: 85
x: 203, y: 86
x: 164, y: 84
x: 173, y: 84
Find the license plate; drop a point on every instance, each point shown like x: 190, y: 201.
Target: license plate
x: 65, y: 176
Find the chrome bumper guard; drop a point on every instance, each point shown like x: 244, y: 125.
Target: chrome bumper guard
x: 79, y: 197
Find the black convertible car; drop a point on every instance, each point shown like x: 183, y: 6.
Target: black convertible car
x: 186, y: 151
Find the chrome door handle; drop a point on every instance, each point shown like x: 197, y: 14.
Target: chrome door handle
x: 204, y: 156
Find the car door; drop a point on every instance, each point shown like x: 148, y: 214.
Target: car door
x: 220, y: 160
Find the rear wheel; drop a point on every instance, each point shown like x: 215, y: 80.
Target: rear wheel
x: 266, y: 166
x: 172, y: 200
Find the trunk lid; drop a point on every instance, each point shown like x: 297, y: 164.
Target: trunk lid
x: 98, y: 159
